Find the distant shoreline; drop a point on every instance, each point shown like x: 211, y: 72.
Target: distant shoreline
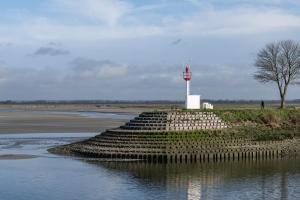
x: 136, y: 107
x: 146, y: 102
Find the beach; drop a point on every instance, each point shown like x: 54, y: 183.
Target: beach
x: 61, y: 119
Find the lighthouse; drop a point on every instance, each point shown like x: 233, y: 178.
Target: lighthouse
x: 191, y: 101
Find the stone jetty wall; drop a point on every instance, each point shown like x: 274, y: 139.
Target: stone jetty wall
x: 175, y: 121
x: 166, y: 147
x: 176, y: 137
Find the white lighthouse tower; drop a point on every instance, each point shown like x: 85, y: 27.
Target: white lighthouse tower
x: 191, y: 101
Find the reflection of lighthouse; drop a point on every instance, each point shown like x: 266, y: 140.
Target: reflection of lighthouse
x: 191, y: 101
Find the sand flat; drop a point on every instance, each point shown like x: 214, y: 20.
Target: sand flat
x: 41, y: 118
x: 36, y: 122
x: 16, y: 156
x: 104, y: 108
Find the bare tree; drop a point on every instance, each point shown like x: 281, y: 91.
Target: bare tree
x: 279, y: 62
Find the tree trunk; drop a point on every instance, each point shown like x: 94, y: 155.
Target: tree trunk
x: 282, y: 103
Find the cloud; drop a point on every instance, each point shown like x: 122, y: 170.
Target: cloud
x: 241, y: 2
x: 108, y: 12
x: 211, y: 22
x: 96, y: 79
x: 3, y: 74
x: 176, y: 42
x: 93, y: 69
x: 55, y: 44
x: 6, y: 44
x: 50, y: 51
x: 125, y: 20
x: 3, y: 71
x: 2, y: 63
x: 214, y: 23
x: 125, y: 46
x: 236, y: 21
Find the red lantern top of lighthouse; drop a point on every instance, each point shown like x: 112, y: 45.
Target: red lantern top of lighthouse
x: 187, y: 75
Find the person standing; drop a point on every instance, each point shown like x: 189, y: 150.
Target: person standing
x: 262, y: 105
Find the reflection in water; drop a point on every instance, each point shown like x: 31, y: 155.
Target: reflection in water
x: 263, y: 186
x: 266, y: 179
x: 47, y: 176
x: 194, y: 190
x: 284, y: 188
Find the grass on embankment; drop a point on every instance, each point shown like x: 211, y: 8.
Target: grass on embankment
x: 259, y: 133
x: 254, y: 124
x: 269, y: 118
x: 262, y: 125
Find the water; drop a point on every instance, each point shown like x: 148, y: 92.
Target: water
x: 90, y: 114
x: 87, y: 114
x: 37, y: 175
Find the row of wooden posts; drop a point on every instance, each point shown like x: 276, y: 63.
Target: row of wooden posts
x: 192, y: 158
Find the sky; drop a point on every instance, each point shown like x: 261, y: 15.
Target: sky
x: 137, y: 49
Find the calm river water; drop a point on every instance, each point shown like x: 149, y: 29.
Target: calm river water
x: 28, y: 171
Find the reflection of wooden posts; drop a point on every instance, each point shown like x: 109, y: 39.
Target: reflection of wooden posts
x: 263, y: 187
x: 284, y: 185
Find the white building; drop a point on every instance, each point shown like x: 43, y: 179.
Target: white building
x: 207, y: 106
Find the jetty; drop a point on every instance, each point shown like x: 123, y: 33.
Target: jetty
x: 191, y: 136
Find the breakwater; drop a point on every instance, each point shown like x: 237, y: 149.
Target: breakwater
x: 178, y: 137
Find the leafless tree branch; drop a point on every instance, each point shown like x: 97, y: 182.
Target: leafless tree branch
x: 279, y: 62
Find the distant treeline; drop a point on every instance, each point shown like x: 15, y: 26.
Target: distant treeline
x: 90, y: 102
x: 162, y: 102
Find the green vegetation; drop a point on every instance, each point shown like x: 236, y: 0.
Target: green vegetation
x: 269, y: 118
x: 252, y: 124
x: 262, y: 125
x: 234, y: 133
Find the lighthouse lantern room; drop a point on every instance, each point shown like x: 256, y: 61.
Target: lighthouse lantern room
x: 191, y: 101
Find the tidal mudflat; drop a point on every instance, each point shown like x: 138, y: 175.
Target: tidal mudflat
x: 44, y: 121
